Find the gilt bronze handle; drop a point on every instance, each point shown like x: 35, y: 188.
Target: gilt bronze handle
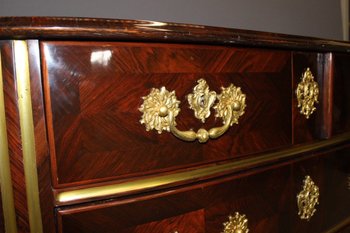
x: 160, y: 108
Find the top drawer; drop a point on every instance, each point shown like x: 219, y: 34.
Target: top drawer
x: 93, y: 93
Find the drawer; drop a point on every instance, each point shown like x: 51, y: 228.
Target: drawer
x: 313, y: 127
x: 314, y: 168
x: 337, y: 181
x: 341, y: 96
x: 192, y: 222
x: 93, y: 93
x: 263, y: 197
x: 330, y: 173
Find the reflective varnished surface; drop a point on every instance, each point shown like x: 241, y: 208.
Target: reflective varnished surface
x: 93, y: 94
x: 87, y: 80
x: 266, y: 196
x: 143, y: 30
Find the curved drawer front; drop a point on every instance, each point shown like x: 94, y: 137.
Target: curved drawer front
x: 263, y: 199
x: 94, y: 92
x: 329, y: 171
x: 315, y: 125
x: 308, y: 195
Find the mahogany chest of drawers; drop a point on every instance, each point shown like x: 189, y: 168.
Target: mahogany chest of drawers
x: 140, y: 126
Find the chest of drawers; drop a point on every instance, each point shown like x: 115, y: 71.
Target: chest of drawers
x: 139, y: 126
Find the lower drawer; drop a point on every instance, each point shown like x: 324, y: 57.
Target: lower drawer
x: 263, y: 197
x: 266, y: 197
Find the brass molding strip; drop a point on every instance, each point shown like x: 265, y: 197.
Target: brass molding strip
x: 27, y: 135
x: 8, y: 205
x: 86, y: 194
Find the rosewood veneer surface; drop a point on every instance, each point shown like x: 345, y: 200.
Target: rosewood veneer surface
x: 93, y: 116
x: 98, y: 168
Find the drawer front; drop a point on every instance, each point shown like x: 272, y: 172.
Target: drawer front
x: 341, y: 96
x: 337, y: 193
x: 191, y: 222
x: 93, y: 93
x: 330, y: 172
x: 311, y: 128
x: 264, y: 198
x: 314, y: 168
x: 268, y: 198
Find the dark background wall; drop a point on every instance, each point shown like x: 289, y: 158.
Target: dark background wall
x: 319, y: 18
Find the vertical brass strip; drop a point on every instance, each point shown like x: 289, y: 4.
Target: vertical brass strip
x: 27, y: 135
x: 5, y: 173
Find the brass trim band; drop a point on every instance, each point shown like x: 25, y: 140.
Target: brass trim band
x: 5, y: 173
x: 27, y: 134
x: 86, y: 194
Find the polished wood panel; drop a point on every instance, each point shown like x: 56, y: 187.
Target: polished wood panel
x: 41, y: 143
x: 326, y: 81
x: 329, y: 170
x: 92, y: 74
x: 337, y: 193
x: 14, y: 138
x: 319, y: 125
x: 313, y: 167
x: 341, y: 102
x: 134, y: 30
x: 267, y: 197
x: 264, y: 196
x: 93, y: 116
x: 305, y: 130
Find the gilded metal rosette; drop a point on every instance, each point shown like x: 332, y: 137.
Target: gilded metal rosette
x: 307, y: 199
x: 156, y: 107
x: 307, y: 94
x: 236, y: 224
x: 160, y: 108
x: 230, y: 96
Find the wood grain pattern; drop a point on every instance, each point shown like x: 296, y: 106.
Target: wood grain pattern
x: 87, y: 79
x: 93, y: 116
x: 263, y: 196
x: 326, y: 84
x: 14, y: 138
x: 267, y: 196
x: 41, y: 143
x: 133, y: 30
